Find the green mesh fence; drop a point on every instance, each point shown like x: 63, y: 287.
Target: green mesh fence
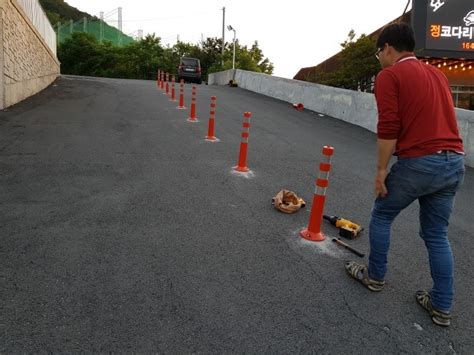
x: 99, y: 29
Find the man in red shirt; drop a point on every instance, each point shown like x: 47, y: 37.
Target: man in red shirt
x: 416, y: 123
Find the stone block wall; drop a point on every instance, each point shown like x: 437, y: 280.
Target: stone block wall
x: 27, y: 65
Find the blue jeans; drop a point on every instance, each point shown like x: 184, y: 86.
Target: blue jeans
x: 433, y: 180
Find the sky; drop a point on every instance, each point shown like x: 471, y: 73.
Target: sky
x: 292, y: 34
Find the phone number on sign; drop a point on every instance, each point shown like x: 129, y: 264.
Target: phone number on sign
x: 468, y: 45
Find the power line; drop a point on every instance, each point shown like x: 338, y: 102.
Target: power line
x: 167, y: 18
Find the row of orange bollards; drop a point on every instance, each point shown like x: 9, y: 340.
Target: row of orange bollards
x: 162, y: 82
x: 313, y: 231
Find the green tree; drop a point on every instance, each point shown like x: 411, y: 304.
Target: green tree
x: 211, y: 55
x: 59, y: 10
x: 109, y: 62
x: 83, y: 54
x: 182, y: 49
x: 357, y: 65
x: 54, y: 18
x: 350, y: 39
x: 246, y: 59
x: 264, y: 64
x: 78, y: 54
x: 144, y: 57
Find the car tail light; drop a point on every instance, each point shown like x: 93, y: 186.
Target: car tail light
x: 198, y: 69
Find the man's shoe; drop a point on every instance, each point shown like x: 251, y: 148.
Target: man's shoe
x: 360, y: 272
x: 438, y: 317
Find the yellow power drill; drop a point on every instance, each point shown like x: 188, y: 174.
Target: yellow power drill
x: 347, y: 229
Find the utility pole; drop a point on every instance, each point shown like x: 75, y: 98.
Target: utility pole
x: 223, y: 34
x: 119, y: 34
x: 101, y: 30
x: 120, y: 19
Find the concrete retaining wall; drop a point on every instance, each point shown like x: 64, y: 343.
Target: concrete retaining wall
x: 27, y: 65
x: 351, y: 106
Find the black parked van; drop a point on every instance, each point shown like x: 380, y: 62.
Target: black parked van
x: 189, y: 70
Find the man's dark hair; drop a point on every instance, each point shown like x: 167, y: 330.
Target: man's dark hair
x: 398, y: 35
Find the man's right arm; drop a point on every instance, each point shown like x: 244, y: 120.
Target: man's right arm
x: 385, y: 149
x: 388, y: 126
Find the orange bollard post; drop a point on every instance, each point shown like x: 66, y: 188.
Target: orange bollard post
x: 210, y: 129
x: 313, y: 232
x: 242, y: 165
x: 158, y: 78
x: 299, y: 106
x: 167, y: 84
x: 181, y: 95
x: 173, y: 96
x: 162, y: 79
x: 192, y: 116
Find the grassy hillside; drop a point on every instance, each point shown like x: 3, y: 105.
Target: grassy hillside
x: 59, y: 10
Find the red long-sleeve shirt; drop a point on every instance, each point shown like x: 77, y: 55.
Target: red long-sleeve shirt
x: 415, y: 107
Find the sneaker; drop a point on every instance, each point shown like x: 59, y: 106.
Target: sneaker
x: 438, y: 317
x: 360, y: 272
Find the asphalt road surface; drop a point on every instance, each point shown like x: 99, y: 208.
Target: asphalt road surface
x: 123, y: 230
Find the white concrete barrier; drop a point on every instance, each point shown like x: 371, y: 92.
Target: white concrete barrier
x: 355, y: 107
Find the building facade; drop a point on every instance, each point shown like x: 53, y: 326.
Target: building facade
x: 444, y: 33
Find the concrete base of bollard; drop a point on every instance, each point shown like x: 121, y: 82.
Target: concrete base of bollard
x: 242, y: 169
x: 314, y: 237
